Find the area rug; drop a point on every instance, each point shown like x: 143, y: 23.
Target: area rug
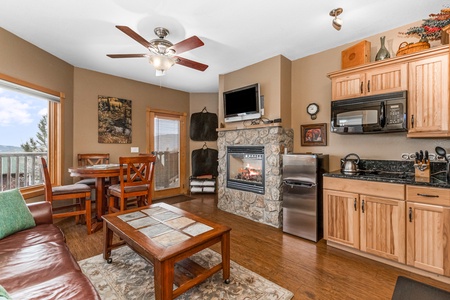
x: 131, y: 277
x: 406, y: 288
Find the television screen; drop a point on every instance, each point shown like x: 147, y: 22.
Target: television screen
x: 242, y: 103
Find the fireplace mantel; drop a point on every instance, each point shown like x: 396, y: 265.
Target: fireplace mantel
x: 249, y: 127
x: 264, y: 208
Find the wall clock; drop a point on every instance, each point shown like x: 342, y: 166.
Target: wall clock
x: 312, y: 110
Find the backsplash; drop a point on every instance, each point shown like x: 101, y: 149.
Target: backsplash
x: 397, y: 165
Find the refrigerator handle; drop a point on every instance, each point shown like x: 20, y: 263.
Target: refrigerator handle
x: 299, y: 184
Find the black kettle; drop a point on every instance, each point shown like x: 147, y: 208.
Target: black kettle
x: 350, y: 166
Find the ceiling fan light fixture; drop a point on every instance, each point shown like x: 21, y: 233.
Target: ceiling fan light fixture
x: 337, y: 22
x: 161, y: 63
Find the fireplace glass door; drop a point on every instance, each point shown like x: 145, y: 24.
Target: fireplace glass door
x: 246, y: 168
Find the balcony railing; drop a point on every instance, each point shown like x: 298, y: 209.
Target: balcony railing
x: 166, y: 170
x: 20, y: 169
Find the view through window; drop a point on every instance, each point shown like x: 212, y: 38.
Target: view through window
x: 24, y: 115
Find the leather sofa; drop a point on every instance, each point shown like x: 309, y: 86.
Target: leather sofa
x: 36, y: 263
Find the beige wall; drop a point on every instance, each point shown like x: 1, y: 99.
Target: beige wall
x: 89, y: 85
x: 311, y: 84
x: 197, y: 102
x: 269, y: 74
x: 27, y: 62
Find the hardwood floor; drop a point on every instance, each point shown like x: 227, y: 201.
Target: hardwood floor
x: 309, y: 270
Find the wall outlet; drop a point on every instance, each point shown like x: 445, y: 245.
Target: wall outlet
x: 134, y: 149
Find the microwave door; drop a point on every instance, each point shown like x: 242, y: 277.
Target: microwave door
x: 357, y: 119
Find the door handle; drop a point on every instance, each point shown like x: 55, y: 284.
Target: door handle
x: 361, y: 88
x: 362, y: 206
x: 354, y: 204
x: 412, y: 121
x: 428, y: 195
x: 368, y: 86
x: 410, y: 214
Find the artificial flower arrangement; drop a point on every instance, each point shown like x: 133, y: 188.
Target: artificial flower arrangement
x: 431, y: 28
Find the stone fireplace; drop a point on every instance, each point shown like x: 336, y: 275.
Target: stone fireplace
x: 264, y: 203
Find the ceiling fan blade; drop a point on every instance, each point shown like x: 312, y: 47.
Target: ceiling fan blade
x: 190, y: 63
x: 132, y: 34
x: 188, y: 44
x: 126, y: 55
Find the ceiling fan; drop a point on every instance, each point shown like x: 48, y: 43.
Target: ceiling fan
x: 163, y: 54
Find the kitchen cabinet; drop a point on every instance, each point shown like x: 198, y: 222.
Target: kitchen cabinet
x: 369, y: 216
x: 370, y: 80
x: 341, y: 222
x: 428, y: 229
x: 428, y: 96
x: 382, y: 227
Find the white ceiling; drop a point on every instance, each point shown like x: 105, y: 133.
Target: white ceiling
x: 236, y: 33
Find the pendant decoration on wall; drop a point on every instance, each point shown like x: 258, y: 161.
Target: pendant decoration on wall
x: 114, y: 120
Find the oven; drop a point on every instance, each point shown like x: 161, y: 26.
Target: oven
x: 371, y: 114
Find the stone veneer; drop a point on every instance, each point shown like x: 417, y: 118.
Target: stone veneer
x: 265, y: 208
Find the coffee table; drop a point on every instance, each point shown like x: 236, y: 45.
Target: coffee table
x: 167, y: 236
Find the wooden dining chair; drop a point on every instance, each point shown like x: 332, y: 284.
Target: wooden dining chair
x: 136, y: 176
x: 91, y: 159
x: 79, y: 193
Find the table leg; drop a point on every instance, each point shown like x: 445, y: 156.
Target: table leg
x: 225, y: 249
x: 100, y: 190
x: 107, y: 243
x: 163, y: 275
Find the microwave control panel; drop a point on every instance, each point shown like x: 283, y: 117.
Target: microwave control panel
x: 395, y: 113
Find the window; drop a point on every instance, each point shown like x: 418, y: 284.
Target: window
x: 30, y: 127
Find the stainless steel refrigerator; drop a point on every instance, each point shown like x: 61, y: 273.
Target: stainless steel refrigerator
x: 302, y: 194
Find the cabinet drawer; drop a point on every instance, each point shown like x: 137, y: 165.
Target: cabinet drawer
x: 379, y: 189
x: 428, y: 195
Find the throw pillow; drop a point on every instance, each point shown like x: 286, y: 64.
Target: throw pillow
x: 14, y: 213
x: 3, y: 294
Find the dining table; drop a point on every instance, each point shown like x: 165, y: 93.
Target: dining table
x: 100, y: 173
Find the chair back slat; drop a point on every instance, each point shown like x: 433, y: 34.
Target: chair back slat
x: 139, y: 170
x: 47, y: 182
x: 91, y: 159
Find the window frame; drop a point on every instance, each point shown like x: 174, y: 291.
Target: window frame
x: 54, y: 155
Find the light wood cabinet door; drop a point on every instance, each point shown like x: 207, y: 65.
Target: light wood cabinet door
x: 428, y: 237
x: 428, y: 96
x: 347, y: 86
x: 388, y: 79
x: 370, y: 81
x: 382, y: 223
x: 341, y: 218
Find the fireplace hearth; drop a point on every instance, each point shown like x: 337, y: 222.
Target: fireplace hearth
x: 245, y: 168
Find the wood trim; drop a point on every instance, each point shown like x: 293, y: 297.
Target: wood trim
x: 181, y: 116
x: 55, y: 134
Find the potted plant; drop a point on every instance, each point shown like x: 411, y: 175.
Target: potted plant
x: 431, y: 28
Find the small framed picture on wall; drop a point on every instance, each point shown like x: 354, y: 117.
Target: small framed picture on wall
x: 314, y: 134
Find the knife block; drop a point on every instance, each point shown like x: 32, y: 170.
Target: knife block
x: 422, y: 172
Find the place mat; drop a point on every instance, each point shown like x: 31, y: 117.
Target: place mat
x: 131, y: 277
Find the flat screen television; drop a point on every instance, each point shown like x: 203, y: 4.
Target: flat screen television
x: 242, y: 103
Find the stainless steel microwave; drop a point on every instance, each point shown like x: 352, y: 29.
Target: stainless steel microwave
x: 371, y: 114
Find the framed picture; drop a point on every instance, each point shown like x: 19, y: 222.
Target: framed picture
x: 114, y: 120
x: 314, y: 134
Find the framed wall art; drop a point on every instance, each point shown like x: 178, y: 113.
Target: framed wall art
x: 114, y: 120
x: 314, y: 134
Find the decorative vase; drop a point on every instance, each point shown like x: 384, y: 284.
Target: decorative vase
x: 383, y: 53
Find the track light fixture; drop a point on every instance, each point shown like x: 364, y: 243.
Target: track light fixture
x: 337, y: 23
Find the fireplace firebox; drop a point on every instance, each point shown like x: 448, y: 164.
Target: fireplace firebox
x: 245, y: 168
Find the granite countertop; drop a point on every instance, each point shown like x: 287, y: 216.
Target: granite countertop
x: 400, y: 172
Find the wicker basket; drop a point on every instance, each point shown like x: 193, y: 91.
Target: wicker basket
x: 405, y: 48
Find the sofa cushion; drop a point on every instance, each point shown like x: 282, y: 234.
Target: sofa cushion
x: 14, y: 213
x: 29, y: 237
